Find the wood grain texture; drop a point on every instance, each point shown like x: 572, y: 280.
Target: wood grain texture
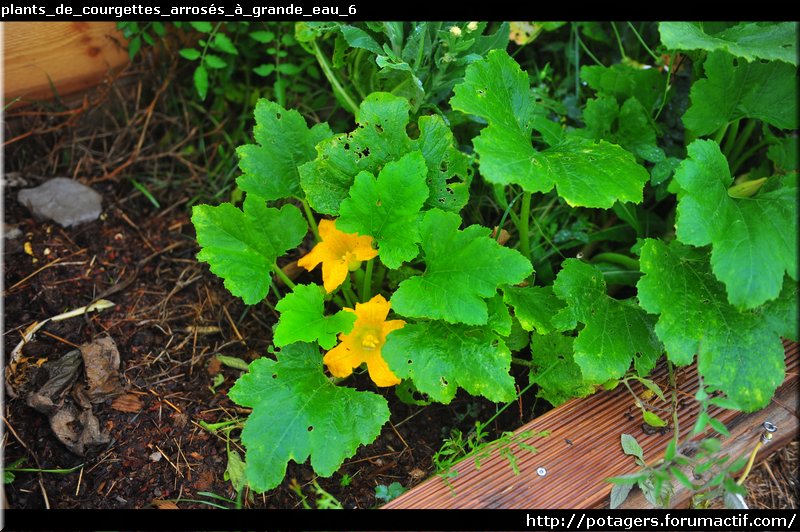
x: 583, y: 449
x: 74, y: 56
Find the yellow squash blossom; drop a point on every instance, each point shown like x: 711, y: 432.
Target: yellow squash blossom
x: 364, y: 343
x: 338, y: 252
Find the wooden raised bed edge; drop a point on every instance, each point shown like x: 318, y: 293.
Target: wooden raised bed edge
x: 583, y: 449
x: 70, y: 56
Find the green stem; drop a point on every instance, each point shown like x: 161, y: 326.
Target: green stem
x: 312, y: 223
x: 589, y: 53
x: 338, y: 88
x: 525, y: 389
x: 619, y: 40
x: 524, y: 235
x: 366, y: 291
x: 674, y: 386
x: 34, y: 470
x: 721, y: 133
x: 282, y: 276
x: 619, y: 259
x: 213, y: 427
x: 380, y: 276
x: 522, y: 362
x: 730, y: 138
x: 505, y: 215
x: 347, y: 292
x: 274, y: 290
x: 666, y: 88
x: 746, y: 155
x: 741, y: 142
x: 639, y: 37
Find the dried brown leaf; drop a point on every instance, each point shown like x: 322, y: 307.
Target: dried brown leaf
x: 129, y: 403
x: 165, y: 505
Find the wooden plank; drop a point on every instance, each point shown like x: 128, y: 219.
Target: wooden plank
x: 583, y: 449
x: 75, y: 56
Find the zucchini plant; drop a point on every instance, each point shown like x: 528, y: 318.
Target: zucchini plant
x: 674, y: 242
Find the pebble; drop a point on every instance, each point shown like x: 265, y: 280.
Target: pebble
x: 10, y: 232
x: 63, y: 200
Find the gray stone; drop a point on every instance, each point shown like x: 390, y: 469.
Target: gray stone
x: 63, y: 200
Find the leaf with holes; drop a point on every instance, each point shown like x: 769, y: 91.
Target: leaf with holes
x: 753, y: 240
x: 750, y: 40
x: 298, y: 413
x: 284, y: 142
x: 242, y: 245
x: 735, y: 89
x: 585, y: 173
x: 738, y: 351
x: 303, y: 318
x: 381, y: 136
x: 440, y: 358
x: 463, y: 269
x: 615, y: 331
x: 388, y: 208
x: 554, y: 370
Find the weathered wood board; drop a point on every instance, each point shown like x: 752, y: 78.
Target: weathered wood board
x: 70, y: 56
x: 583, y: 449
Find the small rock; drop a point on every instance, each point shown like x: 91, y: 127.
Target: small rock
x: 10, y: 232
x: 63, y: 200
x: 156, y: 456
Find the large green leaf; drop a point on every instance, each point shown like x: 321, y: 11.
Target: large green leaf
x: 303, y: 318
x: 739, y: 352
x: 754, y: 240
x: 585, y: 173
x: 555, y: 372
x: 534, y: 306
x: 615, y: 331
x: 381, y: 137
x: 734, y: 89
x: 388, y: 208
x: 750, y: 40
x: 298, y: 412
x: 463, y: 268
x: 284, y: 143
x: 241, y: 246
x: 440, y: 357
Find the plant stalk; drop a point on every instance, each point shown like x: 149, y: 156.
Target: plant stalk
x: 366, y: 291
x: 741, y: 141
x: 282, y: 276
x: 338, y: 88
x: 524, y: 217
x: 312, y: 223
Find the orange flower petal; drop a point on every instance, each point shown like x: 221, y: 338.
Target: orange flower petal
x: 312, y: 259
x: 333, y: 275
x: 341, y: 361
x: 338, y: 252
x: 364, y: 343
x: 380, y: 373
